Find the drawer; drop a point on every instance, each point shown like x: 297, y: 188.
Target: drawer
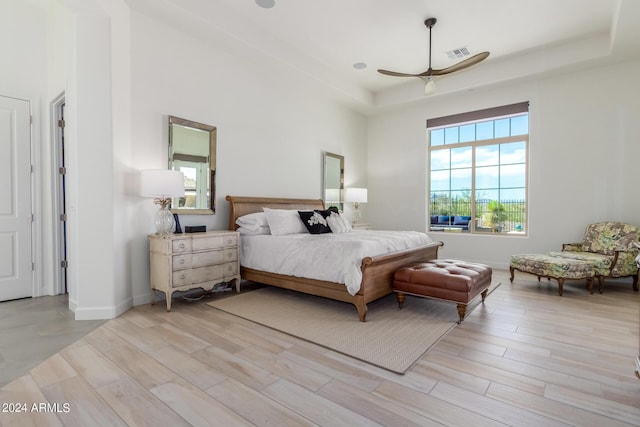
x: 204, y: 243
x: 180, y: 262
x: 231, y: 240
x: 207, y: 274
x: 181, y: 245
x: 230, y: 254
x: 230, y: 269
x: 181, y: 278
x: 203, y: 259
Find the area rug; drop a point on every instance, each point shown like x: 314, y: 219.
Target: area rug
x: 391, y: 338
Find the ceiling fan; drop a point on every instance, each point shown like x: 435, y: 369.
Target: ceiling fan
x: 429, y: 75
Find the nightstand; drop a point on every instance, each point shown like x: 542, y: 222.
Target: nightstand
x: 180, y: 262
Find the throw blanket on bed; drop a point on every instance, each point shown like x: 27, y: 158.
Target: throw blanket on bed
x: 331, y: 257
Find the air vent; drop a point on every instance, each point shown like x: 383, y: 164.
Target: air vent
x: 461, y: 52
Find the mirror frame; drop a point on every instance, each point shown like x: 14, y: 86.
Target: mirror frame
x: 173, y: 120
x: 326, y: 178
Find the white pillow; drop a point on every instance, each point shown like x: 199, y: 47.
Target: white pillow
x: 253, y: 221
x: 251, y: 232
x: 284, y: 221
x: 338, y: 223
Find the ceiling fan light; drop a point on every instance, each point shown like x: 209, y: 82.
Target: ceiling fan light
x: 429, y: 85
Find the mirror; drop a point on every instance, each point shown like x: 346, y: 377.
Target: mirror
x: 333, y: 180
x: 192, y: 151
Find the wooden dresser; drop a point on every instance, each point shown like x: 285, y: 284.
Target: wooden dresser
x: 180, y: 262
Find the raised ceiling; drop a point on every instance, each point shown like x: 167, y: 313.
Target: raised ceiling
x: 324, y: 39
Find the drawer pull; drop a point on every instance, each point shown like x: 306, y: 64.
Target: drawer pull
x: 182, y: 276
x: 181, y: 246
x: 181, y: 261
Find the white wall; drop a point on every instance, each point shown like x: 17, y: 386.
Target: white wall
x: 272, y: 125
x: 584, y: 148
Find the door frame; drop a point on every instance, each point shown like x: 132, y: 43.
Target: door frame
x: 56, y: 197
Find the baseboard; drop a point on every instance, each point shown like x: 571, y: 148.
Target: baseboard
x: 102, y: 313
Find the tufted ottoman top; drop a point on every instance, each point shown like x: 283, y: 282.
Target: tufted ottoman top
x: 446, y: 274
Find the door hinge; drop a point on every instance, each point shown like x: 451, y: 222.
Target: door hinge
x: 61, y: 123
x: 30, y: 120
x: 33, y: 266
x: 64, y: 264
x: 62, y: 170
x: 63, y: 217
x: 33, y: 217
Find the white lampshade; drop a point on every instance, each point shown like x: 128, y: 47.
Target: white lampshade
x: 161, y: 183
x: 356, y: 195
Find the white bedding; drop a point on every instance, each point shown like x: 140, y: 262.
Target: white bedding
x: 331, y: 257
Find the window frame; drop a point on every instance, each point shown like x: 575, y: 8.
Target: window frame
x: 515, y: 228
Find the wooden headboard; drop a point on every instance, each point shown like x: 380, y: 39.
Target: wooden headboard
x: 239, y: 206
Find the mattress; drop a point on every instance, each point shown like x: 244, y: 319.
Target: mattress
x: 331, y: 257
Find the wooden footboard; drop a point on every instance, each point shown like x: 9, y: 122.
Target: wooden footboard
x: 377, y: 272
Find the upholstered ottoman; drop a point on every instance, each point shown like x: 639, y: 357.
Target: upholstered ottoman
x: 445, y: 279
x: 552, y: 267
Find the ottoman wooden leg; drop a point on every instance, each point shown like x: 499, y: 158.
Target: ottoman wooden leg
x: 484, y: 294
x: 400, y: 297
x: 560, y: 283
x: 511, y: 270
x: 462, y: 309
x: 590, y: 285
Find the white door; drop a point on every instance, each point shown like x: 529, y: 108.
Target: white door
x: 15, y: 199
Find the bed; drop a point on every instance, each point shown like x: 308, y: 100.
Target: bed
x: 377, y: 271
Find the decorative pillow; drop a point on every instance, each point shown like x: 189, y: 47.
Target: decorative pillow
x: 314, y: 221
x: 338, y: 223
x: 461, y: 220
x: 284, y: 221
x: 251, y: 232
x: 253, y: 221
x: 443, y: 219
x: 325, y: 213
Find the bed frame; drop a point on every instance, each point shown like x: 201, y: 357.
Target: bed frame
x: 377, y: 272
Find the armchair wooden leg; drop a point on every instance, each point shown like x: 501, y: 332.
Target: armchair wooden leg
x: 635, y: 282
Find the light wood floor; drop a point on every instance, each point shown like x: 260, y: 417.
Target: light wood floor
x: 526, y: 358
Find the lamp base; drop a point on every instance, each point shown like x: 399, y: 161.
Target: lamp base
x: 357, y: 217
x: 164, y: 221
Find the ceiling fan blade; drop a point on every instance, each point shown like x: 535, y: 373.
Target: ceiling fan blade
x: 396, y: 74
x: 462, y: 64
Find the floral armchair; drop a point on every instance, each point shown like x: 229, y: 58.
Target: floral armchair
x: 610, y: 247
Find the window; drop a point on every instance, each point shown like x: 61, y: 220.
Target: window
x: 478, y: 171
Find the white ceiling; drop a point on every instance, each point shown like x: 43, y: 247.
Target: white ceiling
x: 323, y: 39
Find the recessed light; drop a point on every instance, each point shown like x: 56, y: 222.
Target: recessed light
x: 359, y: 65
x: 266, y: 4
